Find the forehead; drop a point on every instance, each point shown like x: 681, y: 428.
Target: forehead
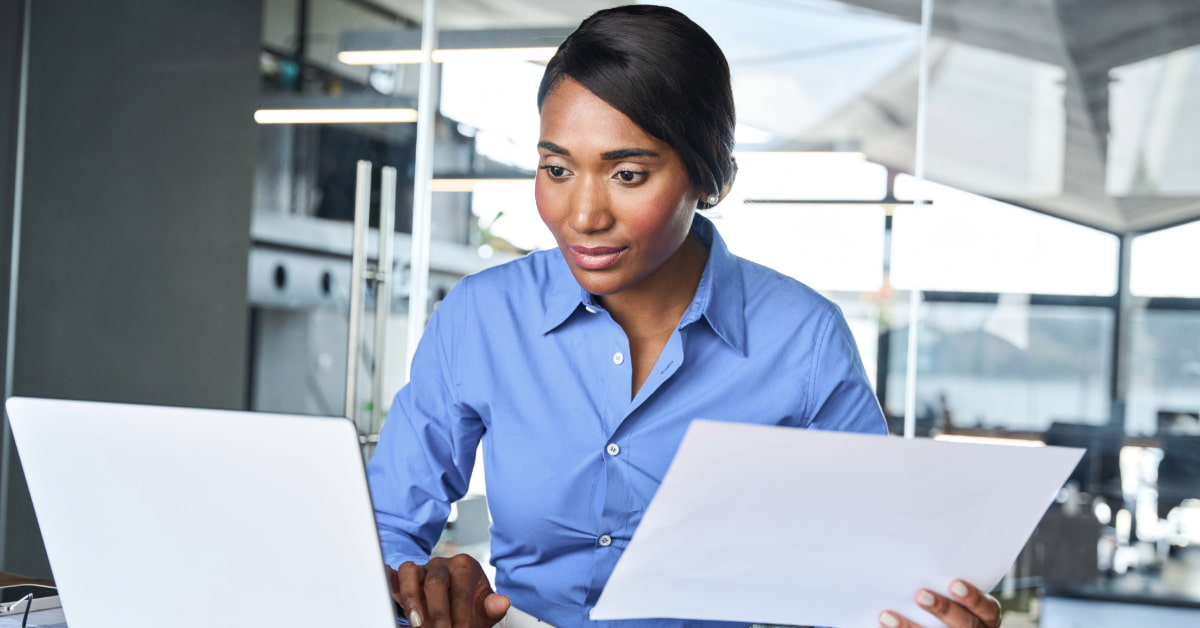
x: 574, y: 116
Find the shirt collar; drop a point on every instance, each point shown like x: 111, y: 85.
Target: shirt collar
x: 563, y: 295
x: 720, y: 296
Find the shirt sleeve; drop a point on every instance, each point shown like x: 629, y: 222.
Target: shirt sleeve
x: 841, y: 397
x: 427, y: 445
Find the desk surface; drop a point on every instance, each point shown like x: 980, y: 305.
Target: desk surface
x: 1073, y: 613
x: 1176, y: 583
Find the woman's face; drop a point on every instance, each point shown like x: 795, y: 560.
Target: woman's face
x: 619, y: 201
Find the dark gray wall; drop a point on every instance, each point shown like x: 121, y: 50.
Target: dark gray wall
x: 139, y: 159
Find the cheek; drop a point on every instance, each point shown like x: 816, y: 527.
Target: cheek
x: 544, y: 202
x: 552, y: 198
x: 668, y: 221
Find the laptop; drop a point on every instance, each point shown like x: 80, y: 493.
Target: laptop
x: 160, y: 516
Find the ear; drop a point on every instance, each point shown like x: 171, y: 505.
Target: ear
x: 707, y: 200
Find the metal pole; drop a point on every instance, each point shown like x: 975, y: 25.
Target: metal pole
x: 362, y: 217
x: 418, y: 291
x: 6, y: 458
x: 300, y: 52
x: 383, y: 292
x: 1122, y: 336
x: 914, y: 296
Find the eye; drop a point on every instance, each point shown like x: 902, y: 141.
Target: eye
x: 555, y: 172
x: 630, y: 176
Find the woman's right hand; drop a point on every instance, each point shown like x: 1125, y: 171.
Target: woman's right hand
x: 447, y: 593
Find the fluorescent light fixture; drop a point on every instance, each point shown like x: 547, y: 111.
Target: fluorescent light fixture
x: 468, y: 184
x: 402, y: 57
x: 335, y: 116
x: 783, y: 155
x: 404, y: 46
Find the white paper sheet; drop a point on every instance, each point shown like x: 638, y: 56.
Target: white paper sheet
x: 788, y: 526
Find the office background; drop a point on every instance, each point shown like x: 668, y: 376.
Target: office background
x: 1010, y: 188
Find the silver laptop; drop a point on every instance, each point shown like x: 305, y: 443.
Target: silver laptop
x: 158, y: 516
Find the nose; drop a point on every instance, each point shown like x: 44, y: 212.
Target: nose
x: 590, y: 210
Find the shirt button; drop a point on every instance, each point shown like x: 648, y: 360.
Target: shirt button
x: 613, y: 449
x: 605, y: 540
x: 618, y: 358
x: 590, y: 309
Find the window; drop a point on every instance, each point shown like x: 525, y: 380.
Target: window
x: 970, y: 243
x: 1164, y: 263
x: 1008, y: 365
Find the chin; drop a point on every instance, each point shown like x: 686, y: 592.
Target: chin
x: 599, y: 282
x: 597, y: 286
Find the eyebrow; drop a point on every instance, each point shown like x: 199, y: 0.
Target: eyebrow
x: 612, y: 155
x: 625, y: 153
x: 554, y: 148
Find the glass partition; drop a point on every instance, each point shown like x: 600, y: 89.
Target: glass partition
x: 1164, y: 387
x: 1006, y: 365
x: 1164, y: 395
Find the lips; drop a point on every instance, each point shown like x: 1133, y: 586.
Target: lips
x: 596, y: 258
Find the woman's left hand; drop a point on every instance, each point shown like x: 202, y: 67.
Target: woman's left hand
x: 968, y: 608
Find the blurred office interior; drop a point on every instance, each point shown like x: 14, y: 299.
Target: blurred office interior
x: 1002, y: 196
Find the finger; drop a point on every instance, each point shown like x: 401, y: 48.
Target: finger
x: 409, y: 592
x: 950, y: 612
x: 892, y: 619
x: 982, y: 605
x: 495, y: 606
x: 463, y: 590
x: 437, y: 594
x: 484, y: 603
x: 390, y: 574
x: 470, y: 592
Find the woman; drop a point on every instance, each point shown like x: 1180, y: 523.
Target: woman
x: 580, y: 368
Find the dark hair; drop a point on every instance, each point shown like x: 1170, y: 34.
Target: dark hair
x: 665, y: 73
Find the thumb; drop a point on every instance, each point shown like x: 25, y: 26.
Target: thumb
x: 496, y: 605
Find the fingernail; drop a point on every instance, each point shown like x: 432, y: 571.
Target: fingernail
x: 925, y: 598
x: 414, y: 619
x: 889, y: 620
x: 958, y: 588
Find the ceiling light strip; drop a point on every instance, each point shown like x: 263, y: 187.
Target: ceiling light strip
x: 335, y: 116
x: 404, y: 57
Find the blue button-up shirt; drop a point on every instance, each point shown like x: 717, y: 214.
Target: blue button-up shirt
x: 523, y: 358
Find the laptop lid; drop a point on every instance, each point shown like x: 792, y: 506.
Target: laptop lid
x: 159, y: 516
